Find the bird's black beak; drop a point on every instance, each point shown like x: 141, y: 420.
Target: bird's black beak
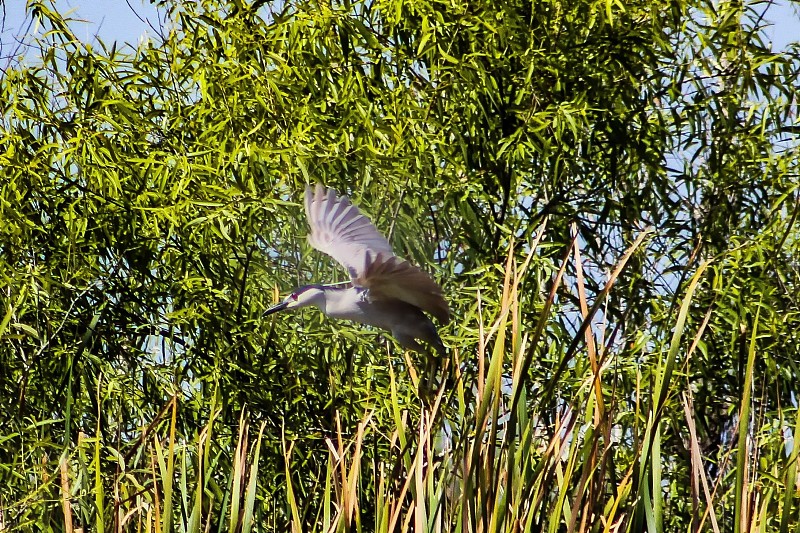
x: 275, y: 308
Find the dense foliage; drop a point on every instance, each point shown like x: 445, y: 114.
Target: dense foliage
x: 607, y: 191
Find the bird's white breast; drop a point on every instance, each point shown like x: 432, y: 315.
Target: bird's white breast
x: 352, y: 304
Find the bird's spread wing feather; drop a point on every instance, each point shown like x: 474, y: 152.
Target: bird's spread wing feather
x: 340, y: 230
x: 389, y: 277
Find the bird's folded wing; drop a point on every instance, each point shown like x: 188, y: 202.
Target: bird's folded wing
x: 340, y: 230
x: 388, y: 277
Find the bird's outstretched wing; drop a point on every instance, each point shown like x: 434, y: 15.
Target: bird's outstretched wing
x: 389, y: 277
x: 340, y: 230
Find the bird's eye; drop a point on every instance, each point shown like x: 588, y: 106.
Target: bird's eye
x: 294, y: 297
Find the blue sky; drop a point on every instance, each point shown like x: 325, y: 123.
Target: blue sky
x: 127, y: 21
x: 120, y: 20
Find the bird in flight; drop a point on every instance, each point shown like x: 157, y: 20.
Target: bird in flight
x: 385, y: 291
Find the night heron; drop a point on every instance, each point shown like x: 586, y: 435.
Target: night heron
x: 384, y: 290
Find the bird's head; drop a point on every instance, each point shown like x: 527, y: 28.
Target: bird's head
x: 300, y: 297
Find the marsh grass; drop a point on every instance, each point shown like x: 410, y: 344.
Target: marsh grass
x: 478, y: 455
